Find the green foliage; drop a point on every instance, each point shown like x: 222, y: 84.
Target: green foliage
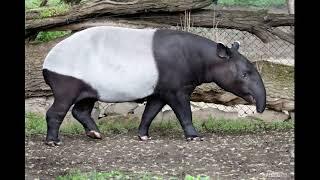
x: 78, y: 175
x: 50, y: 35
x: 198, y: 177
x: 54, y: 11
x: 94, y: 175
x: 32, y: 4
x: 73, y: 127
x: 53, y: 8
x: 242, y: 126
x: 34, y: 124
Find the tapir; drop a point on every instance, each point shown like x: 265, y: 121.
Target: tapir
x: 159, y: 66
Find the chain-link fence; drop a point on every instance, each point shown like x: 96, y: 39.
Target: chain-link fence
x: 276, y: 52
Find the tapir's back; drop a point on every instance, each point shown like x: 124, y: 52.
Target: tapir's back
x: 117, y: 62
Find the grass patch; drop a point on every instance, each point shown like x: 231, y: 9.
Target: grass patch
x: 78, y: 175
x: 50, y: 35
x: 256, y: 3
x: 36, y: 124
x: 53, y: 8
x: 241, y: 126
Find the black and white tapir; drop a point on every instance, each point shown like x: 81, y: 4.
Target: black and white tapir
x: 114, y: 64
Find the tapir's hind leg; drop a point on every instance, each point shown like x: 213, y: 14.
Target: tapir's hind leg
x: 66, y: 91
x: 153, y: 106
x: 54, y: 118
x: 82, y: 112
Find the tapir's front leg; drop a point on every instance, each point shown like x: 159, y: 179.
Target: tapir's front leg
x: 153, y: 106
x: 180, y: 104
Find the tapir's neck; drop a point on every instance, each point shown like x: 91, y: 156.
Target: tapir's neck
x: 185, y: 56
x: 206, y: 66
x: 211, y: 67
x: 215, y: 72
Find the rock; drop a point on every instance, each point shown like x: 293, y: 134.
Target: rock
x: 270, y: 116
x: 291, y: 114
x: 95, y: 111
x: 117, y: 118
x: 121, y: 108
x: 139, y: 111
x: 166, y: 108
x: 38, y: 105
x: 204, y: 114
x: 103, y: 106
x: 168, y: 115
x: 292, y: 153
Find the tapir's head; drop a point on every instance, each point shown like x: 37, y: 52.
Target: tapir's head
x: 238, y: 75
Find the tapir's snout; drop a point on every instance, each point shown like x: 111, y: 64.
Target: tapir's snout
x: 256, y: 95
x: 259, y: 95
x: 260, y: 105
x: 261, y: 108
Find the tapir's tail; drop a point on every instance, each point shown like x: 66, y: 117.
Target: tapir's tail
x: 45, y: 74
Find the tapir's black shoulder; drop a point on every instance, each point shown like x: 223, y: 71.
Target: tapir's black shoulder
x: 166, y: 39
x: 174, y: 35
x: 180, y: 57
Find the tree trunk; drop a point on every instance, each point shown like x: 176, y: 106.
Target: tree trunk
x: 280, y: 94
x: 43, y: 3
x: 259, y: 23
x: 290, y: 5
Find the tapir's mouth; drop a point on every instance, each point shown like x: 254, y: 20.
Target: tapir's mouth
x: 250, y: 99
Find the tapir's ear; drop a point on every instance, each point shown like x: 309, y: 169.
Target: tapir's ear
x: 236, y: 45
x: 223, y: 51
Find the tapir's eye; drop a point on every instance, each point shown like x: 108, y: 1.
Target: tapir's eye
x: 244, y: 75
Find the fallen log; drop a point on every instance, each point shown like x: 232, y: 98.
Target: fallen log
x: 259, y: 23
x: 96, y: 8
x: 278, y: 80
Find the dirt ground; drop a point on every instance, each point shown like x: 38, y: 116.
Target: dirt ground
x: 254, y: 156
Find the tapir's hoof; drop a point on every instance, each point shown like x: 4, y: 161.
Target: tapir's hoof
x: 94, y: 135
x: 144, y: 138
x: 197, y: 138
x: 53, y: 143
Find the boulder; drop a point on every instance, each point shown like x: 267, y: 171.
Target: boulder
x: 95, y: 111
x: 124, y: 109
x: 168, y: 115
x: 38, y: 105
x: 291, y: 114
x: 139, y: 111
x: 204, y: 114
x: 270, y: 116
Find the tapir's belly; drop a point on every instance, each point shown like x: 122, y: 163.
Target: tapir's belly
x: 117, y: 63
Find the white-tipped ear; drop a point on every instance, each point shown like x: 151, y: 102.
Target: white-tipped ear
x: 223, y: 51
x: 236, y: 45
